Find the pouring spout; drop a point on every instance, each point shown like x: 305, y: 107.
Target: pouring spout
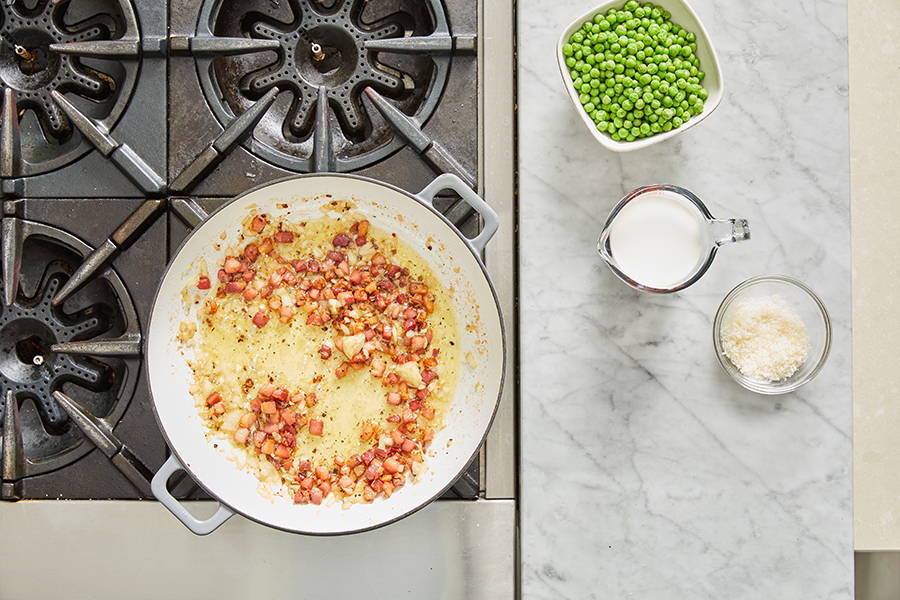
x: 728, y: 231
x: 603, y: 247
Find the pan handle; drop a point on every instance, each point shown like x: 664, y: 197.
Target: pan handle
x: 489, y: 219
x: 200, y: 527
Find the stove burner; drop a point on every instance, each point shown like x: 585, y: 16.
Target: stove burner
x: 33, y: 70
x: 324, y: 51
x: 32, y: 371
x: 27, y: 330
x: 327, y: 54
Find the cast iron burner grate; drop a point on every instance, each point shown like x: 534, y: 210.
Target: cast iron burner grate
x: 324, y: 51
x: 41, y: 436
x: 52, y: 45
x: 29, y: 328
x: 320, y: 58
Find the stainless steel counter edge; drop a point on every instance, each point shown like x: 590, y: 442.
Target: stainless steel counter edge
x: 99, y: 549
x: 497, y: 116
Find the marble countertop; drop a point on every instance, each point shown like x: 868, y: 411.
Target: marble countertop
x: 645, y: 471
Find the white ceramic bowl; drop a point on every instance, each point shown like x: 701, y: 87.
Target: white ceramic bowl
x: 683, y: 15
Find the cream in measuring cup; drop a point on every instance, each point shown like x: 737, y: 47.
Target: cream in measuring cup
x: 662, y: 238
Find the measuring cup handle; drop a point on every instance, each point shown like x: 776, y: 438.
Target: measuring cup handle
x: 728, y: 231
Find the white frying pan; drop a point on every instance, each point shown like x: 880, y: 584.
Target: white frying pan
x: 456, y: 262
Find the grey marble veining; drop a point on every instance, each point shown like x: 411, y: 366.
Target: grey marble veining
x: 646, y: 472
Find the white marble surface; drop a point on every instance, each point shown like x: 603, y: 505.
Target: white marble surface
x: 646, y: 473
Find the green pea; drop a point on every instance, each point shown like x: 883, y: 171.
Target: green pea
x: 568, y: 50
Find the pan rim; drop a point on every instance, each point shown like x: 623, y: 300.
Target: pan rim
x: 503, y: 349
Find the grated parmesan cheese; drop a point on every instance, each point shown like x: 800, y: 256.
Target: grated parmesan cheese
x: 765, y: 338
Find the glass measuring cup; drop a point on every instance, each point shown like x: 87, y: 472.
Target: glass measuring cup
x: 707, y: 235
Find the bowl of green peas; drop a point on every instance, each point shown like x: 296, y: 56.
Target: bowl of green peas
x: 639, y: 73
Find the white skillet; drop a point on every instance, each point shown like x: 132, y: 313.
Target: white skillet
x: 453, y: 258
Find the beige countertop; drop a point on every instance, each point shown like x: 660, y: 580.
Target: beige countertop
x: 875, y: 181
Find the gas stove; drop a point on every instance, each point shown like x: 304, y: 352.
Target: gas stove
x: 124, y: 122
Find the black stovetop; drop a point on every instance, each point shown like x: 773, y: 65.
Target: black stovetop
x: 234, y: 96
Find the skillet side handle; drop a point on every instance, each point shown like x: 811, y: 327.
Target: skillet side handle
x: 489, y: 218
x: 197, y: 526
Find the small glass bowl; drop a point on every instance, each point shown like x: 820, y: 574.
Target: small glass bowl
x: 810, y: 309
